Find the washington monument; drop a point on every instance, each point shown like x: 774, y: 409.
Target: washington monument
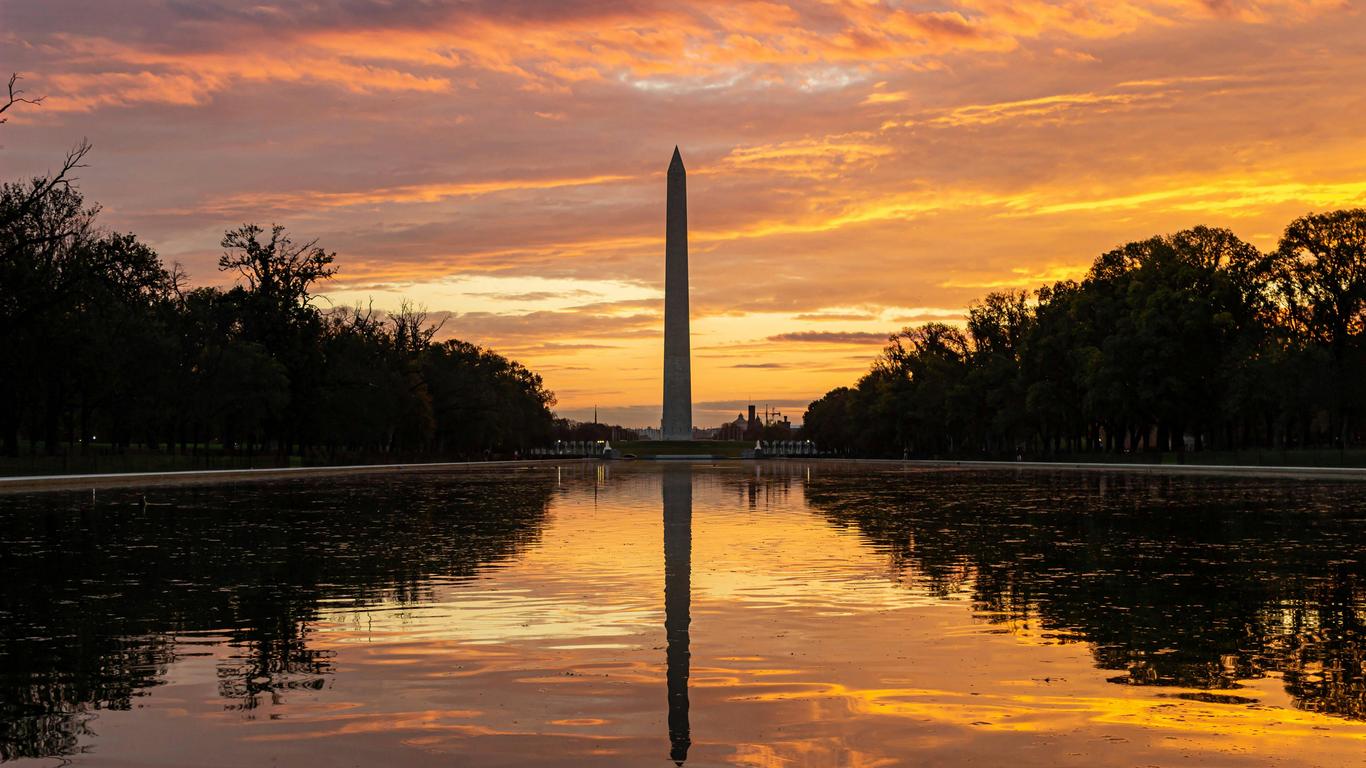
x: 677, y: 421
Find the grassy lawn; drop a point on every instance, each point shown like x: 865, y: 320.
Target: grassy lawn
x: 1266, y: 457
x: 683, y: 448
x: 98, y: 462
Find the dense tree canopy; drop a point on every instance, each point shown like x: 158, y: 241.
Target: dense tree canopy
x: 1186, y: 341
x: 104, y: 342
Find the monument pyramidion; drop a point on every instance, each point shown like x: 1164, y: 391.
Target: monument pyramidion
x: 677, y: 420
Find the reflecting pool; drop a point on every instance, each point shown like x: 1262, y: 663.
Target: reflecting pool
x: 740, y: 614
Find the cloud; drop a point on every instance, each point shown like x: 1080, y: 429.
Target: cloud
x: 853, y: 166
x: 1081, y: 56
x: 664, y: 46
x: 831, y: 337
x: 309, y: 200
x: 109, y: 73
x: 534, y: 296
x: 758, y: 365
x: 835, y: 316
x: 539, y: 326
x: 824, y: 157
x: 882, y: 97
x: 944, y: 316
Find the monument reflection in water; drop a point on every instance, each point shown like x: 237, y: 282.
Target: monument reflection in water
x: 677, y: 493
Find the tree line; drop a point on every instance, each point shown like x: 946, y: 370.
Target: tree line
x: 570, y: 430
x: 1189, y: 341
x: 103, y: 342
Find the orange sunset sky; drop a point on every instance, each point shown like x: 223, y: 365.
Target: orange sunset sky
x: 853, y: 166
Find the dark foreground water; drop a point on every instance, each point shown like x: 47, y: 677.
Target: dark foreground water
x: 769, y: 615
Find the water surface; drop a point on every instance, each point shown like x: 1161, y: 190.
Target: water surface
x: 741, y: 614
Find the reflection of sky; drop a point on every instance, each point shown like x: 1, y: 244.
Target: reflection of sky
x: 806, y: 650
x: 864, y: 156
x: 558, y: 591
x: 505, y: 616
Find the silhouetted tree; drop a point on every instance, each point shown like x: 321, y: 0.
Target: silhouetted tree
x: 1324, y: 286
x: 829, y: 421
x: 46, y: 234
x: 564, y: 429
x: 483, y: 401
x: 1190, y: 339
x: 104, y: 341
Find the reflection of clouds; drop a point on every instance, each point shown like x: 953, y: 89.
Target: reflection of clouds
x: 1037, y: 711
x: 505, y: 617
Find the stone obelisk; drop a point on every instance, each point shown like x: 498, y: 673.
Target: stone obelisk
x: 677, y: 421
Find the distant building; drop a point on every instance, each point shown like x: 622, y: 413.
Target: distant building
x: 772, y: 425
x: 754, y: 429
x: 779, y: 430
x: 733, y: 430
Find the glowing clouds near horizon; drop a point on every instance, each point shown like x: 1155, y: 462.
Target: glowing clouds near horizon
x: 860, y: 166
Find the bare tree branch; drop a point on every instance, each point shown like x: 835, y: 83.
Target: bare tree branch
x: 178, y: 279
x: 43, y: 186
x: 16, y: 96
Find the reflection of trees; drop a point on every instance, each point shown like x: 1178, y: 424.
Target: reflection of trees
x: 1173, y: 581
x: 48, y: 688
x: 270, y: 653
x: 1327, y: 650
x: 94, y: 596
x: 762, y: 485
